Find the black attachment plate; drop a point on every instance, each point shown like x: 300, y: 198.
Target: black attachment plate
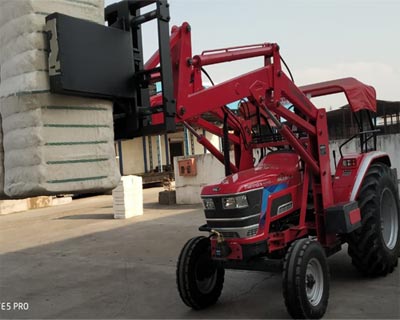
x: 89, y: 59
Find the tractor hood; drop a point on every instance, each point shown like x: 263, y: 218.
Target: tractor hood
x: 272, y: 170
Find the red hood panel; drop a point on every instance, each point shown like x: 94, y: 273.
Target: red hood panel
x: 272, y: 170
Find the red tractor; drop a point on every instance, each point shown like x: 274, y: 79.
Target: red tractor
x: 283, y: 210
x: 288, y: 210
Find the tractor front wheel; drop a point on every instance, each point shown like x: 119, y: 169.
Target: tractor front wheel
x: 306, y: 280
x: 199, y: 278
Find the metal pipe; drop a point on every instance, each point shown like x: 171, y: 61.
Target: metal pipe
x: 334, y: 158
x: 192, y: 150
x: 207, y: 59
x: 168, y: 162
x: 144, y: 154
x: 150, y: 154
x: 144, y: 18
x: 159, y: 155
x: 186, y: 138
x: 204, y: 134
x: 227, y: 161
x: 121, y: 162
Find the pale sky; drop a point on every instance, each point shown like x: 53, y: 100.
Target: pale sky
x: 320, y: 40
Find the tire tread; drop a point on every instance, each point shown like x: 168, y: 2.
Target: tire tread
x: 291, y: 280
x: 184, y: 281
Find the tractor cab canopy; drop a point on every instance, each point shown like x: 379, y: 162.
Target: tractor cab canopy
x: 359, y: 95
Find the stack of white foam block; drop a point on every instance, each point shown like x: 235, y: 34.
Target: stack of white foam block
x: 52, y: 143
x: 128, y: 197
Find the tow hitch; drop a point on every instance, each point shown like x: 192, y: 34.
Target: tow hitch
x: 222, y: 249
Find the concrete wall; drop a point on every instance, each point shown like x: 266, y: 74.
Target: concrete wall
x: 132, y: 155
x: 386, y: 143
x: 209, y: 170
x: 132, y: 151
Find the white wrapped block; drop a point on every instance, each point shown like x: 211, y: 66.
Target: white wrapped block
x: 127, y: 204
x: 35, y: 41
x: 31, y: 82
x: 53, y: 148
x: 15, y: 8
x: 24, y: 62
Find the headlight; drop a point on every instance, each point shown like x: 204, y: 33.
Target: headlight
x: 208, y: 204
x: 235, y: 202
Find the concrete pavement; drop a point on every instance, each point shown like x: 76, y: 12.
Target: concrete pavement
x: 75, y: 261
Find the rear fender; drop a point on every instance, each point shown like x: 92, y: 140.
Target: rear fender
x: 348, y: 179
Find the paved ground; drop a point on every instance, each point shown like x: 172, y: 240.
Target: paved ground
x: 75, y: 261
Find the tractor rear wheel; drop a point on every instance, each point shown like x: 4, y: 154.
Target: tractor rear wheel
x: 199, y: 278
x: 306, y: 280
x: 375, y: 246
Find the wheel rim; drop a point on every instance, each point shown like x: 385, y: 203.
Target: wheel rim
x: 389, y: 219
x: 206, y: 275
x: 314, y: 282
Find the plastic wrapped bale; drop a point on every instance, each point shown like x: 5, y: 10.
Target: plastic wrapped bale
x: 53, y: 148
x: 52, y: 143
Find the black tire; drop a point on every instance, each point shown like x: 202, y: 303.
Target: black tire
x: 305, y: 280
x: 375, y: 246
x: 199, y: 278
